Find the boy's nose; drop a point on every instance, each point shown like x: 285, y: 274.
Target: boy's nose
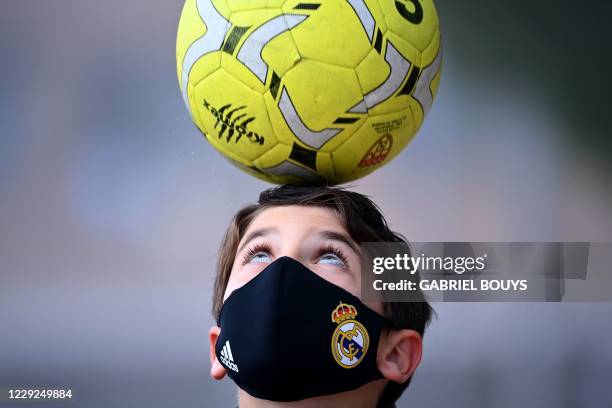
x: 292, y: 251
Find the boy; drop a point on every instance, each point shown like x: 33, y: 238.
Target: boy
x: 292, y: 331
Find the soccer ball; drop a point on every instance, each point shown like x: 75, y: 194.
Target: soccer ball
x: 305, y: 91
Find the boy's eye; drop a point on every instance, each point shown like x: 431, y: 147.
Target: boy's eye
x: 331, y: 259
x: 260, y: 257
x: 260, y: 253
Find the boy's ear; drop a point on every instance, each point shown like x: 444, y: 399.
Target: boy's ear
x: 217, y: 371
x: 399, y: 354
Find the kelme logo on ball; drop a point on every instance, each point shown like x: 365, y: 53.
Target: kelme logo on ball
x: 350, y: 339
x: 234, y: 121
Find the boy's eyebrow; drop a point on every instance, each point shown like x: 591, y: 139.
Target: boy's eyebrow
x: 338, y: 236
x: 256, y: 234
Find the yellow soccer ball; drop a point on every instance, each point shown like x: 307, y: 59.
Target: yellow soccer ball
x: 309, y: 91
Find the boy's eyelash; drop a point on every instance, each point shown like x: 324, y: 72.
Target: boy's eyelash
x: 254, y: 250
x: 331, y: 249
x: 262, y: 247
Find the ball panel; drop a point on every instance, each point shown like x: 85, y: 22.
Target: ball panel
x: 435, y: 84
x: 191, y: 27
x: 220, y: 5
x: 281, y: 54
x: 427, y: 85
x: 332, y: 34
x: 337, y: 90
x: 235, y: 119
x: 273, y: 156
x: 253, y: 171
x: 202, y: 69
x: 414, y: 20
x: 431, y: 52
x: 195, y: 113
x: 325, y: 166
x: 290, y: 173
x: 372, y: 146
x: 280, y: 166
x: 374, y: 8
x: 383, y: 99
x: 405, y: 48
x: 276, y: 3
x: 205, y: 46
x: 346, y: 132
x: 372, y: 72
x: 241, y: 73
x: 247, y: 5
x: 255, y: 16
x: 279, y: 51
x: 281, y: 131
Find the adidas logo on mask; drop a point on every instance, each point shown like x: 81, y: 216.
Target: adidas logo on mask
x: 227, y: 358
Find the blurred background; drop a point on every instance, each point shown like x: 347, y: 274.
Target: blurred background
x: 113, y: 205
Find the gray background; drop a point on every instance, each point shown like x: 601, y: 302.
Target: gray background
x: 113, y: 205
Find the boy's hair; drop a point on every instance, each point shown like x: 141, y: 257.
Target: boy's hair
x: 363, y: 221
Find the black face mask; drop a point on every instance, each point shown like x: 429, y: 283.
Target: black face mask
x: 289, y: 334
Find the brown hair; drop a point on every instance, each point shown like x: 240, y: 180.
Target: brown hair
x: 363, y: 221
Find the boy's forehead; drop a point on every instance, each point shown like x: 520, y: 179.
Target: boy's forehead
x: 297, y: 216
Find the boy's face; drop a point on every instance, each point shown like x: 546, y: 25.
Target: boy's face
x: 313, y: 236
x: 316, y: 238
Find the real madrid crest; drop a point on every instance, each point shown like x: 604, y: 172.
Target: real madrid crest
x: 350, y: 340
